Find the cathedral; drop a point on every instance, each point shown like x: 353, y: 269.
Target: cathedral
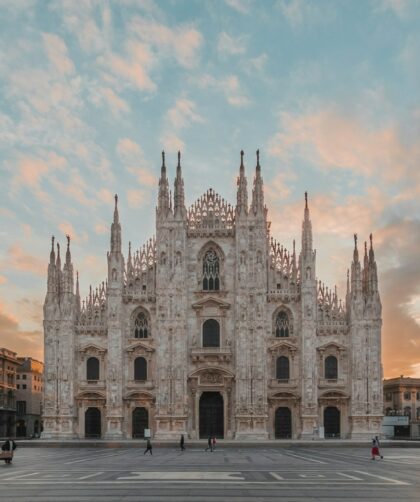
x: 212, y: 328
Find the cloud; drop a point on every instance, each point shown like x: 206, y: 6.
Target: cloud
x: 57, y: 53
x: 230, y: 45
x: 183, y: 114
x: 101, y: 229
x: 106, y: 95
x: 241, y: 6
x: 129, y: 150
x: 21, y: 261
x: 181, y: 42
x: 401, y: 8
x: 67, y: 228
x: 229, y: 86
x: 299, y: 12
x: 106, y: 196
x: 172, y: 143
x: 25, y: 343
x: 399, y: 284
x: 335, y: 141
x: 3, y: 279
x: 137, y: 198
x: 134, y: 68
x: 257, y: 64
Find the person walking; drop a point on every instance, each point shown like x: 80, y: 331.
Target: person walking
x: 209, y: 444
x: 375, y: 448
x: 213, y: 442
x: 182, y: 442
x: 9, y: 446
x: 148, y: 447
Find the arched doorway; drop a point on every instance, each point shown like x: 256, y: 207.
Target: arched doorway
x: 93, y: 423
x: 21, y: 428
x: 332, y: 422
x: 211, y: 415
x: 283, y: 423
x: 140, y: 422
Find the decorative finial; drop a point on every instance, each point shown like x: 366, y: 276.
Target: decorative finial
x: 242, y: 158
x: 179, y: 158
x: 258, y: 157
x: 116, y: 199
x: 52, y: 243
x: 163, y: 158
x: 306, y: 200
x: 365, y: 247
x: 371, y: 241
x: 68, y: 241
x: 355, y: 241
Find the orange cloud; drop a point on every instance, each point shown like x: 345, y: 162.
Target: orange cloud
x: 67, y: 229
x: 334, y: 141
x: 21, y: 261
x: 25, y: 343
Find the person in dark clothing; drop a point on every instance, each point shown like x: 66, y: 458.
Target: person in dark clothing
x: 209, y: 444
x: 148, y: 447
x: 182, y: 442
x: 213, y: 441
x: 9, y: 446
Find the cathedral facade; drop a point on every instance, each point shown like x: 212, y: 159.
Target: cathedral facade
x: 212, y: 328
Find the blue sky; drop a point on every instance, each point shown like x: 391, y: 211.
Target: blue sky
x: 92, y: 91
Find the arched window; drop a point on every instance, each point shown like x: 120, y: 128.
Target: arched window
x: 141, y: 326
x: 92, y: 368
x: 211, y: 333
x: 211, y: 279
x: 331, y: 368
x: 282, y: 368
x: 283, y: 325
x: 140, y: 368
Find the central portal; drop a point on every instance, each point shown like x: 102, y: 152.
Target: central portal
x: 211, y: 415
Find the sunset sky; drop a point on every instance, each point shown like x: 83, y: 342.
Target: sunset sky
x: 92, y: 91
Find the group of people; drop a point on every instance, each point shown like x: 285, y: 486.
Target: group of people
x: 211, y: 444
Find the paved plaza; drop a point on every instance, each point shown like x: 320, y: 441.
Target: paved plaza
x: 229, y: 473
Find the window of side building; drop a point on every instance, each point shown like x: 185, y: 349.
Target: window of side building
x: 407, y: 395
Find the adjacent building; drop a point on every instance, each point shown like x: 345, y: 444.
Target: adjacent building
x: 402, y: 407
x: 212, y: 327
x: 8, y: 368
x: 29, y: 388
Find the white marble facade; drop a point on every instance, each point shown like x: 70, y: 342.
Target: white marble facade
x: 212, y: 327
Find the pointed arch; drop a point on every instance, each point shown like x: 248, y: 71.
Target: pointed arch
x: 140, y: 324
x: 283, y: 323
x: 211, y: 258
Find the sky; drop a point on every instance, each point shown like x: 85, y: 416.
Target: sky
x: 92, y: 91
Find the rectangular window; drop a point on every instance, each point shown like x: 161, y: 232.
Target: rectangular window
x: 24, y: 377
x: 18, y: 386
x: 17, y: 377
x: 24, y: 386
x: 418, y: 396
x: 407, y: 396
x: 388, y: 396
x: 21, y: 408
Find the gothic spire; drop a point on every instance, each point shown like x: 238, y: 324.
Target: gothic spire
x: 68, y: 254
x: 52, y: 254
x: 373, y: 271
x: 356, y: 273
x: 242, y: 190
x: 306, y: 230
x: 179, y: 197
x: 163, y: 196
x: 58, y: 262
x: 116, y: 230
x: 257, y: 192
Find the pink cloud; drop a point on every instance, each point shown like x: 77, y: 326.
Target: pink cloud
x: 134, y: 68
x: 67, y: 229
x: 25, y: 343
x: 137, y: 198
x: 334, y: 141
x: 101, y: 229
x: 19, y: 260
x: 115, y: 102
x: 106, y: 196
x: 57, y: 53
x: 182, y: 42
x: 183, y: 113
